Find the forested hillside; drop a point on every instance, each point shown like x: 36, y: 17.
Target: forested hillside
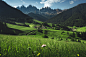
x: 75, y: 16
x: 8, y: 13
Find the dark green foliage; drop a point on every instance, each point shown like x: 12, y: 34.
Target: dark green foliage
x: 61, y: 39
x: 73, y: 39
x: 45, y: 31
x: 29, y: 20
x: 62, y: 32
x: 36, y: 22
x: 44, y: 36
x: 40, y: 30
x: 57, y: 27
x: 82, y: 42
x: 66, y: 38
x: 65, y: 28
x: 53, y: 25
x: 5, y: 30
x: 52, y: 38
x: 82, y: 35
x: 79, y: 40
x: 75, y: 16
x: 74, y: 27
x: 78, y: 34
x: 69, y: 37
x: 45, y: 24
x: 57, y: 24
x: 67, y: 33
x: 72, y: 35
x: 32, y: 33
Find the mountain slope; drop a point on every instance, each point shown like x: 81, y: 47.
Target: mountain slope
x: 7, y: 12
x: 37, y: 17
x: 5, y: 30
x: 73, y: 16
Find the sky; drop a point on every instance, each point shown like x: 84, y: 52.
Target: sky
x: 54, y: 4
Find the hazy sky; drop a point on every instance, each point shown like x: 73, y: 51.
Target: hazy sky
x: 54, y: 4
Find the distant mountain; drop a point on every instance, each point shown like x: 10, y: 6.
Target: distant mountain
x: 28, y: 9
x: 46, y: 10
x: 75, y: 16
x: 37, y: 17
x: 9, y: 13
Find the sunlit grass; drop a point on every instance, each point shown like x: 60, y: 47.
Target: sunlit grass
x: 31, y: 46
x: 25, y: 46
x: 82, y: 29
x: 23, y: 28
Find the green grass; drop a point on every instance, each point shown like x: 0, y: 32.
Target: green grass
x: 25, y: 46
x: 23, y: 28
x: 81, y: 29
x: 38, y: 21
x: 30, y: 45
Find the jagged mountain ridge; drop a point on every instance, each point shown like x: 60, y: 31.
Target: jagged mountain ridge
x: 46, y: 12
x: 75, y: 16
x: 28, y: 9
x: 33, y: 9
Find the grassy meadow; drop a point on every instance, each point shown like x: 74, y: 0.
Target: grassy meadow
x: 32, y: 45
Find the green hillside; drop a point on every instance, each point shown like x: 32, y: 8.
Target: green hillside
x: 72, y: 17
x: 58, y: 43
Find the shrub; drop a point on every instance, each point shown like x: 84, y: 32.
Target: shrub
x: 66, y: 38
x: 32, y: 33
x: 44, y: 36
x: 82, y: 42
x: 69, y: 37
x: 72, y: 35
x: 53, y: 25
x: 79, y: 40
x: 67, y: 33
x: 52, y: 38
x: 45, y: 31
x: 61, y: 39
x: 73, y: 39
x: 62, y: 32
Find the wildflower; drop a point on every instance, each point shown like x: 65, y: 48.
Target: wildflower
x: 77, y: 54
x: 43, y: 45
x: 0, y: 54
x: 38, y: 54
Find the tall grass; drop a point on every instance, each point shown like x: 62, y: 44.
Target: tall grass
x: 30, y: 46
